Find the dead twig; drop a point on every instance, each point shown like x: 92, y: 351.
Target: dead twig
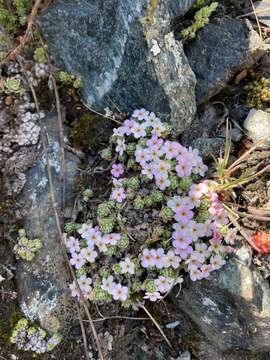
x: 83, y: 332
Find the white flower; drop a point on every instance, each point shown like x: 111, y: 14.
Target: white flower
x: 163, y: 283
x: 155, y: 49
x: 108, y: 284
x: 127, y: 266
x: 154, y: 296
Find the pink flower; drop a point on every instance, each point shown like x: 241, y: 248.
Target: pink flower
x: 171, y: 149
x: 118, y: 195
x: 127, y: 266
x: 217, y: 262
x: 154, y: 296
x: 89, y: 254
x: 181, y: 240
x: 231, y: 236
x: 184, y: 167
x: 205, y: 270
x: 148, y: 170
x: 196, y: 230
x: 152, y: 120
x: 140, y: 114
x: 200, y: 168
x: 84, y: 283
x: 108, y: 284
x: 121, y: 146
x: 141, y: 155
x: 194, y: 201
x: 161, y: 168
x: 202, y: 251
x: 112, y: 238
x: 192, y: 261
x: 184, y: 253
x: 77, y: 260
x: 92, y: 236
x: 147, y: 258
x: 175, y: 203
x: 183, y: 214
x: 195, y: 274
x: 101, y: 245
x: 155, y: 142
x: 74, y: 290
x: 154, y: 153
x: 158, y: 258
x: 171, y: 260
x: 119, y: 131
x: 199, y: 190
x: 138, y: 131
x: 117, y: 170
x: 120, y: 292
x: 73, y: 245
x: 128, y: 126
x: 164, y: 284
x: 162, y: 182
x: 158, y: 128
x: 181, y: 227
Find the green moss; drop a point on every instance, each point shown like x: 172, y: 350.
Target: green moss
x: 149, y: 18
x: 16, y: 15
x: 201, y: 19
x: 257, y: 91
x: 40, y: 55
x: 84, y: 131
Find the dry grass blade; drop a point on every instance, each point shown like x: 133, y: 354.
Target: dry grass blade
x: 252, y: 13
x: 256, y: 17
x: 156, y: 324
x: 57, y: 220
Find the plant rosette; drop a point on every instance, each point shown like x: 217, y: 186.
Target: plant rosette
x: 162, y: 219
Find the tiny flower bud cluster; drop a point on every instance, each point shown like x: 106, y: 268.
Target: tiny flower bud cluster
x: 26, y: 248
x: 153, y: 178
x: 32, y: 338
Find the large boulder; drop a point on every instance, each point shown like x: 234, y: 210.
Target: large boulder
x: 42, y: 284
x: 125, y: 54
x: 221, y: 50
x: 232, y: 308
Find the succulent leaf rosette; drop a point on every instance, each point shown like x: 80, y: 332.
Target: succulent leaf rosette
x: 161, y: 219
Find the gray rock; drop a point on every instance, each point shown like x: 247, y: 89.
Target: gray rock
x: 223, y: 48
x: 42, y: 284
x: 209, y: 147
x: 258, y: 126
x: 125, y: 53
x: 232, y: 308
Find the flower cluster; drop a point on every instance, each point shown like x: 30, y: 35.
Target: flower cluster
x: 160, y: 218
x: 31, y: 338
x: 26, y: 248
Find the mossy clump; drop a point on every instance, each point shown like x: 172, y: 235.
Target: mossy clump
x: 15, y: 15
x: 257, y: 91
x: 40, y: 55
x: 201, y: 19
x: 84, y: 131
x: 69, y: 79
x: 26, y: 249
